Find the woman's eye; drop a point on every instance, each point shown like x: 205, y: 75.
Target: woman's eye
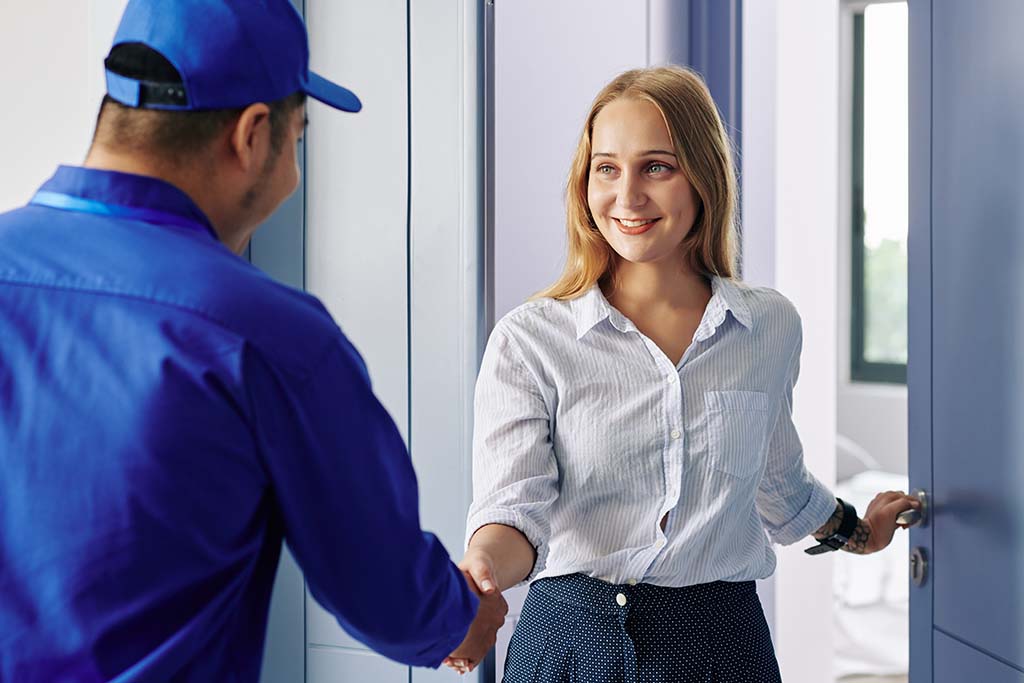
x: 603, y: 169
x: 659, y: 168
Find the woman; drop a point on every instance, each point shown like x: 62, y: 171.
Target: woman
x: 634, y: 440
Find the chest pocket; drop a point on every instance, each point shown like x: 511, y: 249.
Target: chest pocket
x: 737, y: 427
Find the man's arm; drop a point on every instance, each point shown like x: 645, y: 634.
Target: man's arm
x: 343, y: 484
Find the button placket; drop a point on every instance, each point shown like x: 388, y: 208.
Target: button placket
x: 674, y: 453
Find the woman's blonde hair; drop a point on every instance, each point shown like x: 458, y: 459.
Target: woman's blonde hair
x: 703, y: 151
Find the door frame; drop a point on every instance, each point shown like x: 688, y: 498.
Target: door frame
x: 919, y: 323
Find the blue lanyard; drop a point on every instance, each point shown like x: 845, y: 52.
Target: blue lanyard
x: 67, y: 202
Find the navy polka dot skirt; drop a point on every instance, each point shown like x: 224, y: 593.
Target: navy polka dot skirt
x: 582, y: 630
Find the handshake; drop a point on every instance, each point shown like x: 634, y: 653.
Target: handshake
x: 478, y: 568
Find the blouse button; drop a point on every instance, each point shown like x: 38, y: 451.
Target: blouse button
x: 676, y: 434
x: 621, y: 599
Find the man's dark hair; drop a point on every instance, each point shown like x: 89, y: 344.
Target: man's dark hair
x: 172, y: 135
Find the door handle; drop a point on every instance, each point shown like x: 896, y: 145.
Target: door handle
x: 918, y: 517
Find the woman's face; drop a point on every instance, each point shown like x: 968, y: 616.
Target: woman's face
x: 639, y: 198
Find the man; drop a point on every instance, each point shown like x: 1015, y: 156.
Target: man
x: 168, y: 413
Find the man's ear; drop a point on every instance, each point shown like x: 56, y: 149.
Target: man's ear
x: 250, y: 138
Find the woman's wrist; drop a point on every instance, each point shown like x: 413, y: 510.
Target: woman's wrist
x: 832, y: 525
x: 859, y: 538
x: 505, y: 550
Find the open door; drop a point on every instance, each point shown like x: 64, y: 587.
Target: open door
x: 966, y: 367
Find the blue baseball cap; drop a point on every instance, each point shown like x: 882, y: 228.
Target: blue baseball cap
x: 229, y: 53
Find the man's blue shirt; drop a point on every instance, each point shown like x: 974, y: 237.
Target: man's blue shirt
x: 168, y: 414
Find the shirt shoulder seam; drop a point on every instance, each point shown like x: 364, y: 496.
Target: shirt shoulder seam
x: 220, y: 323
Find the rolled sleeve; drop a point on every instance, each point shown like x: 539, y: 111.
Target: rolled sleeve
x: 510, y: 517
x: 791, y: 501
x: 515, y: 476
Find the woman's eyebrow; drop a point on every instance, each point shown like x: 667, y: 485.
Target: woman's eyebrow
x: 643, y: 154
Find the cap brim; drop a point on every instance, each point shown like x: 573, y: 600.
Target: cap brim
x: 332, y: 94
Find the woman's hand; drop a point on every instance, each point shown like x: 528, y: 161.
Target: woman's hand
x: 478, y: 568
x: 499, y: 557
x: 876, y: 528
x: 478, y: 565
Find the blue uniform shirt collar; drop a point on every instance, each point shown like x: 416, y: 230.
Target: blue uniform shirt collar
x: 127, y: 189
x: 592, y: 307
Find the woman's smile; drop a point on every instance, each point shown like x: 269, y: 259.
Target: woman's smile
x: 634, y: 226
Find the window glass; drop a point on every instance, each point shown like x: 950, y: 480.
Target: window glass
x: 880, y: 201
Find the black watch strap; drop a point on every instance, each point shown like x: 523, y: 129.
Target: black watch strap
x: 842, y: 534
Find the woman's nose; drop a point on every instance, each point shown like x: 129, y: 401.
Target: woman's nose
x: 630, y: 193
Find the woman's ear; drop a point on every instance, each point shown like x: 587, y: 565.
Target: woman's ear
x: 249, y: 141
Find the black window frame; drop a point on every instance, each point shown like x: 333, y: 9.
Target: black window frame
x: 861, y: 369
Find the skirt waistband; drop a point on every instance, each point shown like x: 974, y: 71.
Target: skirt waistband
x: 599, y: 596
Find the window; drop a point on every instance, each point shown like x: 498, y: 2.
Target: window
x: 879, y: 194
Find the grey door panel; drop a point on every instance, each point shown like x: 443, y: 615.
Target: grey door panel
x: 978, y: 321
x: 959, y: 663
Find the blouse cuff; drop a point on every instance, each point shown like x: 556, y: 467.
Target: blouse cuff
x: 516, y: 520
x: 812, y: 517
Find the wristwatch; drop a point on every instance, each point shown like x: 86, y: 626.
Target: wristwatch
x: 842, y: 534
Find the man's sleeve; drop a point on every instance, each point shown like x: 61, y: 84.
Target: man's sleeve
x: 345, y: 487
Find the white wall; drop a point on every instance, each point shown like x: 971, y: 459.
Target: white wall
x: 790, y: 124
x: 668, y: 32
x: 758, y: 200
x: 53, y: 85
x: 875, y: 417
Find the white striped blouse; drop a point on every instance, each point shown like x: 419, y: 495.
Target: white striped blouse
x: 586, y: 436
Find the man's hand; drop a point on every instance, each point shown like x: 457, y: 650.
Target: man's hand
x: 478, y: 568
